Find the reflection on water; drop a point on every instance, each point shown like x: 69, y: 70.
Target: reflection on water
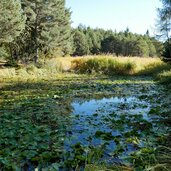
x: 110, y: 104
x: 105, y: 122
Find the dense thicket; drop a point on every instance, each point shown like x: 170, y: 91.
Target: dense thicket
x: 88, y: 41
x: 164, y: 26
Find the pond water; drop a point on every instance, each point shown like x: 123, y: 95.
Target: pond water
x: 115, y: 127
x: 66, y: 127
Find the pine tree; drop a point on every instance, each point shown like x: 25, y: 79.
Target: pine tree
x: 93, y: 40
x: 12, y: 21
x: 151, y: 47
x: 48, y: 25
x: 142, y: 47
x: 80, y: 43
x: 164, y: 24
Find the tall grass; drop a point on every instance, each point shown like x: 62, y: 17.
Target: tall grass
x: 154, y: 69
x: 165, y: 77
x: 137, y: 66
x: 50, y: 68
x: 107, y: 65
x: 103, y: 65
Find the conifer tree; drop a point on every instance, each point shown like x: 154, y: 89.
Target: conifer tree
x: 48, y: 25
x: 80, y: 43
x: 12, y: 21
x: 164, y: 25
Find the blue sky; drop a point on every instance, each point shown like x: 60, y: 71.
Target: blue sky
x: 137, y: 15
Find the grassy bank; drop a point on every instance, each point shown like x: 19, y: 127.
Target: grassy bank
x: 106, y: 65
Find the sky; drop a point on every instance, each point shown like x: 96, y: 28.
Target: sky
x: 137, y: 15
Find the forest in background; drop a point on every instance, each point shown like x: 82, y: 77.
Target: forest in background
x: 88, y: 41
x: 35, y: 30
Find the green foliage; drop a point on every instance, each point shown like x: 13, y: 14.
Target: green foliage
x: 165, y: 18
x: 48, y: 33
x: 12, y: 24
x: 167, y: 49
x: 47, y: 30
x: 165, y: 77
x: 103, y: 66
x: 155, y: 69
x: 89, y: 41
x: 144, y: 158
x: 94, y: 38
x: 3, y: 52
x: 80, y: 43
x: 12, y: 21
x: 67, y: 138
x: 164, y: 25
x: 112, y: 45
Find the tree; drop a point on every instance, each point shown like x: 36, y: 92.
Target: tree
x: 164, y: 23
x: 80, y: 43
x: 93, y: 40
x: 4, y: 53
x: 142, y: 47
x: 147, y: 33
x: 12, y: 20
x: 112, y: 44
x: 158, y: 46
x: 47, y: 26
x: 152, y: 52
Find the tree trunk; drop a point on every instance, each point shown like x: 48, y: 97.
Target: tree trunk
x: 11, y: 53
x: 36, y: 56
x: 36, y: 36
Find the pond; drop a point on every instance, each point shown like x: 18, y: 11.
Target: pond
x: 69, y: 124
x: 113, y: 127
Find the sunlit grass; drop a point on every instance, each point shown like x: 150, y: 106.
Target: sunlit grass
x: 103, y: 65
x: 142, y: 66
x: 107, y: 65
x: 165, y: 76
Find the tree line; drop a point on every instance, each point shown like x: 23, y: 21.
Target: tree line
x: 88, y: 41
x: 30, y: 30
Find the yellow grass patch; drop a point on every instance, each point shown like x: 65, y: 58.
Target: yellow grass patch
x: 52, y: 67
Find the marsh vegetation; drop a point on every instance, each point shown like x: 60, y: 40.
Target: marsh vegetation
x: 82, y: 120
